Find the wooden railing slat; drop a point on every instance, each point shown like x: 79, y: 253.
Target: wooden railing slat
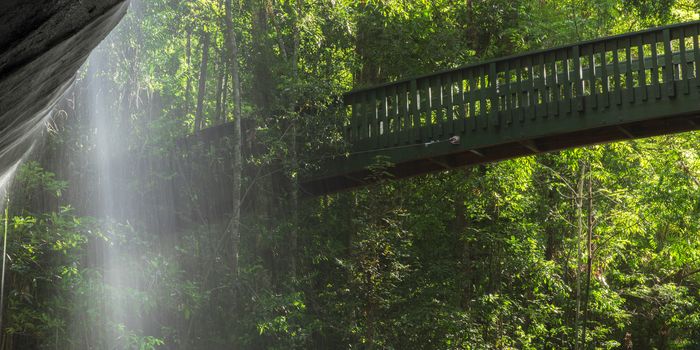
x: 448, y: 96
x: 426, y: 111
x: 510, y: 93
x: 436, y: 107
x: 684, y: 63
x: 629, y: 82
x: 616, y: 72
x: 593, y: 98
x: 354, y: 119
x: 401, y: 114
x: 568, y: 88
x: 604, y: 78
x: 531, y: 93
x: 493, y: 95
x: 483, y: 98
x: 696, y: 54
x: 578, y: 82
x: 381, y: 118
x: 642, y: 73
x: 471, y: 83
x: 415, y: 113
x: 655, y: 81
x: 459, y: 123
x: 668, y: 68
x: 554, y: 86
x: 519, y: 91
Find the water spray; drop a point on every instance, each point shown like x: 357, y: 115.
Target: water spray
x: 4, y: 259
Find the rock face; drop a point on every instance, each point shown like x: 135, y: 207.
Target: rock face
x: 43, y: 43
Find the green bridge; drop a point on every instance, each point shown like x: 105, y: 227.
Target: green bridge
x: 622, y: 87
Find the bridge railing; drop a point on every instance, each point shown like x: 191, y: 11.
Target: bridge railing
x: 555, y: 83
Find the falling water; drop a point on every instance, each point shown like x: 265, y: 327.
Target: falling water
x: 9, y: 174
x: 110, y: 165
x: 106, y: 132
x: 18, y: 142
x: 5, y: 184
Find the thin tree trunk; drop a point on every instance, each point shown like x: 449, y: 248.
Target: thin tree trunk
x: 278, y: 31
x: 460, y: 228
x: 220, y: 84
x: 294, y: 236
x: 224, y: 93
x: 590, y: 256
x: 579, y: 232
x: 295, y: 36
x: 199, y: 114
x: 188, y: 68
x: 232, y: 46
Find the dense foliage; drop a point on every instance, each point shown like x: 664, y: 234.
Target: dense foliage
x: 596, y: 247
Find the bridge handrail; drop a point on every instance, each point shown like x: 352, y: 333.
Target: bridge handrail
x: 537, y: 84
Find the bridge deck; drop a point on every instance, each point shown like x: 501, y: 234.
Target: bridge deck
x: 628, y: 86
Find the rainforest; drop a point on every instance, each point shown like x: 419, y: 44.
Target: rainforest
x: 161, y: 204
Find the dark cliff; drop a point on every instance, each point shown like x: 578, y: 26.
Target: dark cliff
x: 43, y: 44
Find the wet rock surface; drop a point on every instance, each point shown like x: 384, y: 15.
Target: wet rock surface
x: 43, y: 44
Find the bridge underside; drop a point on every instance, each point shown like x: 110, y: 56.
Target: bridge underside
x: 455, y: 156
x: 623, y: 87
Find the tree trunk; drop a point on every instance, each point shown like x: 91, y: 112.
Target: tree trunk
x: 235, y: 223
x: 199, y: 114
x: 294, y: 235
x: 579, y: 258
x: 589, y: 260
x: 188, y: 68
x: 464, y: 248
x: 220, y: 84
x: 225, y: 90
